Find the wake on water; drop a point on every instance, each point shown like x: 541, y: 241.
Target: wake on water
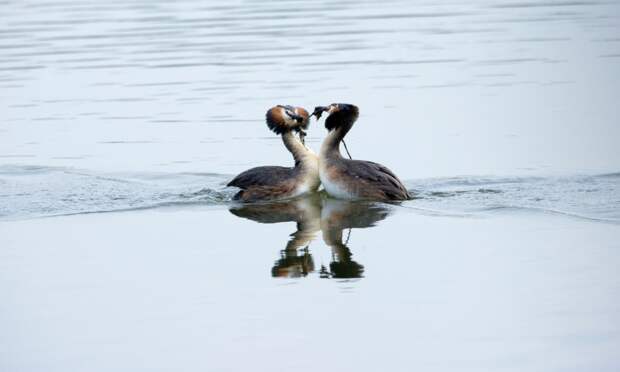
x: 36, y: 191
x: 33, y: 191
x: 594, y: 197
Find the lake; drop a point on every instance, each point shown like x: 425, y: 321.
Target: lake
x: 121, y: 247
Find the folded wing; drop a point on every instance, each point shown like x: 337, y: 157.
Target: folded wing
x: 378, y: 178
x: 269, y: 176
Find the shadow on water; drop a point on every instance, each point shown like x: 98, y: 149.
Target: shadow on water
x: 314, y: 213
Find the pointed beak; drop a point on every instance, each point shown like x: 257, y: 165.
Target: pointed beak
x: 318, y: 111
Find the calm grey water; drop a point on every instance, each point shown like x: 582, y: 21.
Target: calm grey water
x: 445, y: 88
x: 500, y: 116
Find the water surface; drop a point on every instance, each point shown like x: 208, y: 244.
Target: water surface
x: 501, y: 118
x: 445, y: 88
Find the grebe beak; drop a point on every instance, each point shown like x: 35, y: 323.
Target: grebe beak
x: 318, y: 111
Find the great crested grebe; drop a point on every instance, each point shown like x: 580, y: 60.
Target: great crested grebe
x: 352, y: 179
x: 274, y: 182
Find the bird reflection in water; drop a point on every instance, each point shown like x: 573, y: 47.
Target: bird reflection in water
x: 295, y: 259
x: 313, y: 213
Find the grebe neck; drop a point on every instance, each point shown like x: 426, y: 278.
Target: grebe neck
x: 295, y: 147
x: 331, y: 144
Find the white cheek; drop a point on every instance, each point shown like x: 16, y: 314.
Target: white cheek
x: 289, y: 122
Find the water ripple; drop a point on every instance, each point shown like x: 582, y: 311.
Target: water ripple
x: 38, y: 191
x: 595, y: 197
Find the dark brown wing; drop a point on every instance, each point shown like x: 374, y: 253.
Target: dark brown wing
x: 377, y: 175
x: 265, y: 193
x: 269, y: 176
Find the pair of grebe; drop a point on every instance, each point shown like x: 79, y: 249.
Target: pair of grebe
x: 342, y: 178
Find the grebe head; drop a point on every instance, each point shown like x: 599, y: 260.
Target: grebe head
x: 340, y: 115
x: 281, y: 119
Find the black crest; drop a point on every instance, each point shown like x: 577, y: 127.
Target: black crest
x: 344, y: 116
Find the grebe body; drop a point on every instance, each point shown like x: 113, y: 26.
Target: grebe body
x: 276, y: 182
x: 352, y: 179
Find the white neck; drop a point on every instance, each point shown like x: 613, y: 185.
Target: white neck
x: 300, y: 152
x: 331, y: 144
